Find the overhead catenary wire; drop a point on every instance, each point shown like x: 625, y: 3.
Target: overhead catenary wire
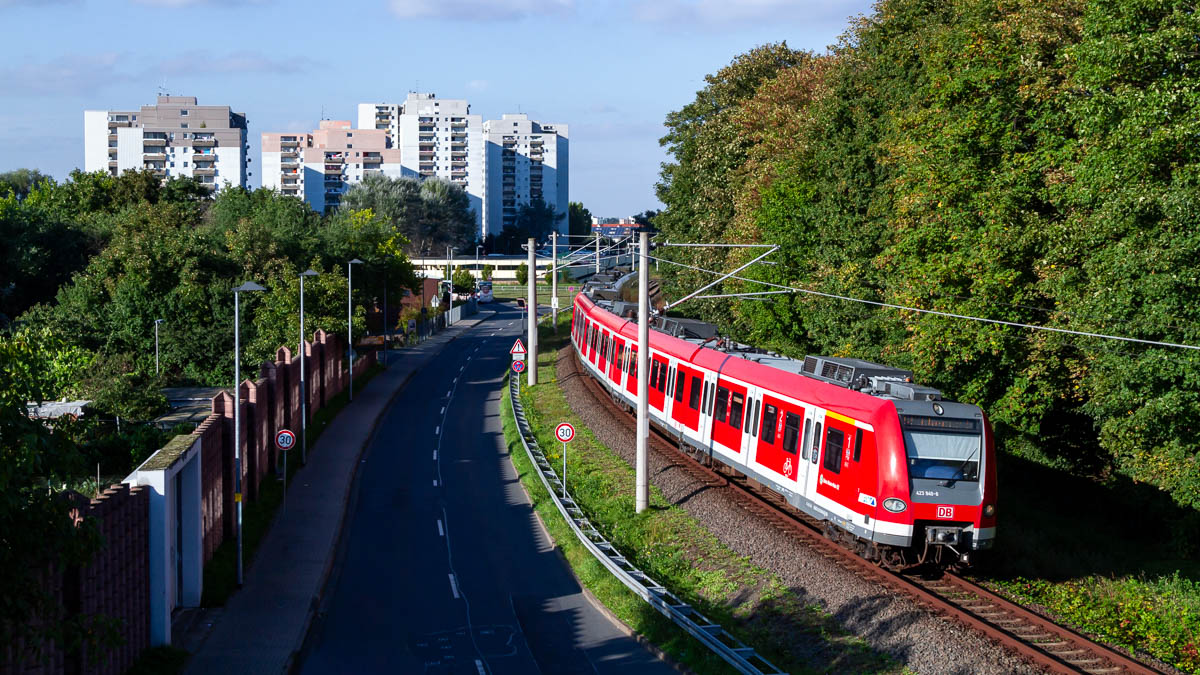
x: 952, y: 315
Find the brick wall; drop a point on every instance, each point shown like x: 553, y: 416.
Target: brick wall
x: 115, y: 585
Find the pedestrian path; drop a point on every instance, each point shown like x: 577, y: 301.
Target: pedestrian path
x: 262, y: 626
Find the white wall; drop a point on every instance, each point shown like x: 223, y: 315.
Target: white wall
x: 95, y: 140
x: 129, y: 149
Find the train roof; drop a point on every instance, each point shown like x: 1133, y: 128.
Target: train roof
x: 844, y: 382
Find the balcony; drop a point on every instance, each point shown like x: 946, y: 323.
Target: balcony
x: 289, y: 144
x: 536, y: 143
x: 458, y: 173
x: 426, y: 167
x: 426, y: 139
x: 289, y: 166
x: 333, y: 168
x: 154, y: 156
x: 425, y: 129
x: 425, y: 174
x: 334, y: 160
x: 458, y: 138
x: 114, y: 125
x: 423, y: 147
x: 372, y: 159
x: 458, y: 164
x: 204, y: 172
x: 112, y: 163
x: 372, y: 172
x: 458, y: 125
x: 112, y: 138
x: 203, y: 142
x: 289, y: 155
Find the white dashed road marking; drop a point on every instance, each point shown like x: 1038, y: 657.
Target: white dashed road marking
x: 453, y: 586
x: 441, y: 531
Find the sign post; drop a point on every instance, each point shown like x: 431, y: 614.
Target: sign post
x: 285, y: 440
x: 565, y: 433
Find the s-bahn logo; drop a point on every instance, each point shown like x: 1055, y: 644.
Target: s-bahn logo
x: 945, y: 512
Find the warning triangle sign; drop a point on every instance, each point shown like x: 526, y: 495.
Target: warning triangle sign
x: 517, y: 348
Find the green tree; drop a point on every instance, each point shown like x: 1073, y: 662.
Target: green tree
x: 487, y: 272
x: 20, y: 182
x: 464, y: 281
x: 579, y: 219
x: 522, y: 273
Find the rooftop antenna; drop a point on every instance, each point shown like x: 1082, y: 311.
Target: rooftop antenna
x: 162, y: 88
x: 322, y: 112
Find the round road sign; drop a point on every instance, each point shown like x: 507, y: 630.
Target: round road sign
x: 285, y: 439
x: 518, y: 366
x: 564, y: 432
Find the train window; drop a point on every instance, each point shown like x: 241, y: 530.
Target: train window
x: 770, y: 417
x: 694, y: 399
x: 754, y: 418
x: 707, y: 398
x: 662, y: 376
x: 807, y: 438
x: 857, y: 444
x: 791, y: 431
x: 722, y: 402
x: 833, y: 449
x: 816, y: 444
x: 735, y: 411
x: 654, y: 374
x: 633, y: 364
x: 680, y: 381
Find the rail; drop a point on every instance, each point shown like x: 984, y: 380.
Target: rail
x: 744, y: 659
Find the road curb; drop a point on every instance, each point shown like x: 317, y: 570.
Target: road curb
x: 291, y: 665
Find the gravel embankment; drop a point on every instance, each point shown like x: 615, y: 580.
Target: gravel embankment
x: 887, y: 621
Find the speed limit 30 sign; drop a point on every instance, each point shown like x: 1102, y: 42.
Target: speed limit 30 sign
x: 564, y: 432
x: 285, y: 439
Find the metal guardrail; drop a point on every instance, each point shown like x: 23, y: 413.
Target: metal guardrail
x: 712, y: 635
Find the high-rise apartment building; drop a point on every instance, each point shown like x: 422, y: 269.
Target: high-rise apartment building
x: 525, y: 161
x: 174, y: 137
x: 436, y: 138
x: 320, y: 166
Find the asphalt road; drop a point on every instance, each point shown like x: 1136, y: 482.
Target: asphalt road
x: 443, y: 567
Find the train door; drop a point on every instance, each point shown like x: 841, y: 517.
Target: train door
x: 658, y: 382
x: 851, y: 439
x: 806, y: 450
x: 814, y: 452
x: 616, y: 366
x: 708, y: 393
x: 728, y: 413
x: 631, y: 363
x: 686, y: 398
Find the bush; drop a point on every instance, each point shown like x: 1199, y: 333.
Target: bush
x: 523, y: 273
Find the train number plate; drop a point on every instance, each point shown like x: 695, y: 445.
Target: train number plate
x: 945, y: 512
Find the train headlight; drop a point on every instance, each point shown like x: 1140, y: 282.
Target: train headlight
x: 894, y: 505
x: 989, y: 510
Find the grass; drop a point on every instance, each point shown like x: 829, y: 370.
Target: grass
x: 1115, y: 559
x: 165, y: 660
x: 220, y: 573
x: 669, y: 545
x: 514, y: 291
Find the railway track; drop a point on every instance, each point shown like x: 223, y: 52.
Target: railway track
x: 1047, y: 645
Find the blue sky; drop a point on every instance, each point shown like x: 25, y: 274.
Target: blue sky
x: 611, y: 69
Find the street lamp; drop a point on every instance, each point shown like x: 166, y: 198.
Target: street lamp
x: 156, y: 322
x: 247, y: 287
x: 450, y: 308
x: 303, y: 389
x: 478, y: 274
x: 349, y: 318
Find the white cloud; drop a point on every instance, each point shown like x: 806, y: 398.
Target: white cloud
x: 723, y: 13
x: 36, y: 3
x: 172, y: 4
x: 66, y: 75
x: 480, y: 10
x: 204, y: 63
x: 477, y: 85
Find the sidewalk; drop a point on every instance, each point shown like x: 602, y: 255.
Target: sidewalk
x: 263, y: 625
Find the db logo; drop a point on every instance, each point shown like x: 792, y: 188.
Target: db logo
x: 945, y: 512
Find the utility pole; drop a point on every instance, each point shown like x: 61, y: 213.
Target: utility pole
x: 531, y: 301
x: 554, y: 278
x: 642, y: 489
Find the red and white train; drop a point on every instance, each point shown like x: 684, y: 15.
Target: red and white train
x: 897, y: 473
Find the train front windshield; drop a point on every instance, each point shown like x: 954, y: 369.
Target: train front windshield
x: 942, y: 448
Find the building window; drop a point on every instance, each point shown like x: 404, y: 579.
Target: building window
x: 185, y: 165
x: 183, y: 125
x: 183, y: 113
